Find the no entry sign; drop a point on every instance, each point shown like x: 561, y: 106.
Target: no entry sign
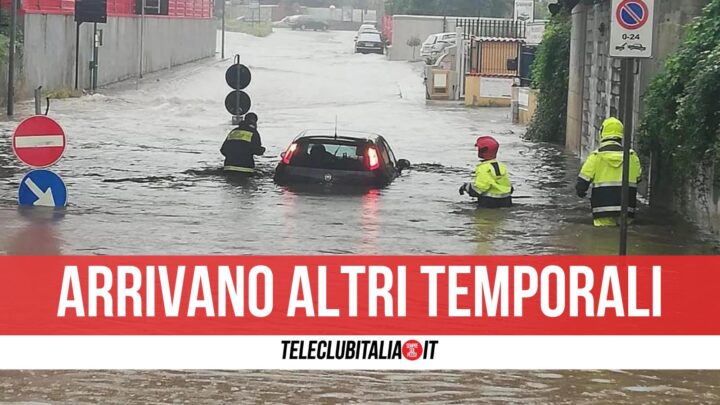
x: 631, y: 33
x: 39, y: 141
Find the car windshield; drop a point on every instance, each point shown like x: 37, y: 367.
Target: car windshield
x: 431, y: 39
x: 335, y: 155
x: 369, y: 37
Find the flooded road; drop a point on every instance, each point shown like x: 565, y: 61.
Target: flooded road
x: 142, y: 168
x: 537, y: 387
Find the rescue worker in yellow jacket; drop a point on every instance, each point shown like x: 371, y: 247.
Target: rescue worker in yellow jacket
x: 603, y: 170
x: 241, y: 146
x: 492, y: 185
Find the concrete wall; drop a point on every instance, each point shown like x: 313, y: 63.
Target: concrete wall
x: 408, y: 26
x: 576, y: 82
x: 524, y: 104
x: 436, y: 89
x: 49, y: 57
x: 340, y: 14
x: 476, y: 96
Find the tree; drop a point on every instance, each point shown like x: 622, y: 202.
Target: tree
x: 414, y: 42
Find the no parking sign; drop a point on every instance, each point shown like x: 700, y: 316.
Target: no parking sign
x: 631, y: 33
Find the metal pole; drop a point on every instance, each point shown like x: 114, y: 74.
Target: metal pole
x: 459, y: 59
x: 95, y: 57
x: 142, y: 37
x: 627, y: 108
x: 222, y: 51
x: 11, y: 60
x: 77, y: 54
x: 237, y: 97
x: 38, y: 101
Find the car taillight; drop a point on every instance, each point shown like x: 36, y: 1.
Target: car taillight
x: 372, y: 158
x: 289, y: 153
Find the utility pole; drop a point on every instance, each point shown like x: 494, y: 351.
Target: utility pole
x: 11, y: 60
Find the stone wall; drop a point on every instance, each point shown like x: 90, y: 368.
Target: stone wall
x: 601, y: 85
x: 599, y: 96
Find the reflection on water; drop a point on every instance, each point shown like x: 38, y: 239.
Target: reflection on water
x: 36, y: 235
x: 444, y: 387
x: 143, y: 172
x: 369, y: 222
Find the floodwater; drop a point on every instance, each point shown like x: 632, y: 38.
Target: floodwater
x: 142, y: 168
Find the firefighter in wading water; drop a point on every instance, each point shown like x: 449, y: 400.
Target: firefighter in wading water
x: 241, y: 146
x: 492, y: 185
x: 603, y: 169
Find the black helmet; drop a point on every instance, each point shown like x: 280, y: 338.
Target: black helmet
x: 251, y: 118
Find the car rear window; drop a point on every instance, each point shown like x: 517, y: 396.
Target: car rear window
x: 368, y: 37
x: 330, y: 155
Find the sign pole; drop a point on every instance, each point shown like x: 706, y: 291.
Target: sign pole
x: 222, y: 51
x: 631, y: 38
x: 77, y: 53
x: 628, y: 97
x: 11, y: 61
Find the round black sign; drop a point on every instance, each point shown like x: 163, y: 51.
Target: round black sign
x: 238, y: 76
x: 237, y: 102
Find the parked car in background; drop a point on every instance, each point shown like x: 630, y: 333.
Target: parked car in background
x: 307, y: 22
x: 345, y: 159
x: 370, y: 42
x: 285, y: 22
x: 436, y: 43
x: 365, y: 28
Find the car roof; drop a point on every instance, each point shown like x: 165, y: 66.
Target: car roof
x: 366, y: 33
x: 342, y: 135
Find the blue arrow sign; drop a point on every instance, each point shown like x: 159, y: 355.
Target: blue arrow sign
x: 42, y: 188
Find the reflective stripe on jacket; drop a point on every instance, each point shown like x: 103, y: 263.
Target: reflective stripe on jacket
x: 603, y: 170
x: 492, y: 185
x: 240, y: 147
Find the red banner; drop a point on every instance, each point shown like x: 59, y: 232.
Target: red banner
x: 359, y: 295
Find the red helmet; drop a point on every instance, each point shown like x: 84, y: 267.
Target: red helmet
x: 487, y: 147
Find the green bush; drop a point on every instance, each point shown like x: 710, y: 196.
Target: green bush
x: 681, y: 122
x: 550, y: 74
x: 258, y: 29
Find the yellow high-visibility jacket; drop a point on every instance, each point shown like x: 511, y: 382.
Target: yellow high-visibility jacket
x: 492, y: 186
x: 603, y: 170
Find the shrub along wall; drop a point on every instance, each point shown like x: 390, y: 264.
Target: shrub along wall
x: 681, y: 123
x: 550, y: 73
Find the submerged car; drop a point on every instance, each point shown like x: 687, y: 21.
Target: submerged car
x: 347, y: 159
x: 307, y: 22
x: 369, y: 42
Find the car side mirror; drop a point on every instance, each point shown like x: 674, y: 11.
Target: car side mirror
x: 403, y: 164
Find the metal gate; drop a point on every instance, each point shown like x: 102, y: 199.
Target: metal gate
x: 478, y: 27
x: 527, y: 57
